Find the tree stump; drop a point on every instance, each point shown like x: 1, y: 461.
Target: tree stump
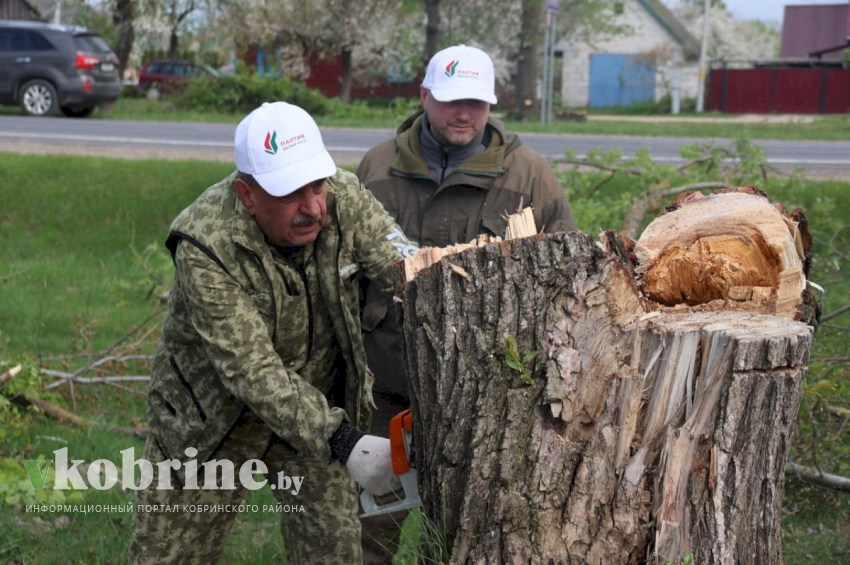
x: 560, y: 416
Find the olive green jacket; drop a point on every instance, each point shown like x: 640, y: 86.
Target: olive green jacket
x: 475, y: 199
x: 235, y: 338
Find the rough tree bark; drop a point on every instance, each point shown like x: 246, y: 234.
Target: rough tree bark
x: 122, y: 18
x: 432, y: 31
x: 637, y: 432
x: 530, y: 41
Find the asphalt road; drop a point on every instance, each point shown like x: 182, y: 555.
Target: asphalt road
x: 170, y: 140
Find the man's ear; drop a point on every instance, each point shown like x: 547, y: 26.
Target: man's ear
x: 245, y: 193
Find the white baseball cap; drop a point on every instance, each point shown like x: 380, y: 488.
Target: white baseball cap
x: 279, y: 144
x: 461, y: 73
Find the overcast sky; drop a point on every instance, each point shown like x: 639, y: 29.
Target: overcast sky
x: 768, y: 10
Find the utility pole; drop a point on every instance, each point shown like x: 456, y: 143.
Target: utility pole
x: 703, y: 55
x: 549, y: 40
x: 553, y: 39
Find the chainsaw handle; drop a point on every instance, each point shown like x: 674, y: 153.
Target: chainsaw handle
x: 401, y: 427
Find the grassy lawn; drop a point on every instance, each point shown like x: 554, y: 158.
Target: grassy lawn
x: 82, y: 264
x: 390, y: 114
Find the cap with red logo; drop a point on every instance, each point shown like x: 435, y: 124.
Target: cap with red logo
x: 279, y: 144
x: 461, y: 73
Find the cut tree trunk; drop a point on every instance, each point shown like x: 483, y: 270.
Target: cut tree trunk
x: 562, y: 417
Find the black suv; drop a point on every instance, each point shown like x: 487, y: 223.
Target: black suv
x: 46, y: 68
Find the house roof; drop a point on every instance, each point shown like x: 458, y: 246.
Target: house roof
x: 674, y: 27
x: 813, y: 28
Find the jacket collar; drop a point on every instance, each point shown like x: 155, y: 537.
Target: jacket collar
x: 476, y: 171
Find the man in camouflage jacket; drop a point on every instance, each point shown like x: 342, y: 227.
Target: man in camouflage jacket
x: 261, y: 356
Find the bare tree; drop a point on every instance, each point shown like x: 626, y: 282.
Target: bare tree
x: 123, y: 16
x: 176, y: 12
x: 527, y: 58
x: 432, y: 30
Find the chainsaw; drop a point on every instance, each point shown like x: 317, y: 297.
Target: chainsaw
x: 401, y: 446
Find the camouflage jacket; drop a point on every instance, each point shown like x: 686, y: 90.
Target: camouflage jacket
x: 233, y: 338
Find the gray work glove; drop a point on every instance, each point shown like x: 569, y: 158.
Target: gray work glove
x: 370, y: 465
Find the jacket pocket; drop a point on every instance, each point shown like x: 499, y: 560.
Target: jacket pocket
x: 192, y: 396
x: 293, y: 333
x: 177, y: 415
x: 265, y: 307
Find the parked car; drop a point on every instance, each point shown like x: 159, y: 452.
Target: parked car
x: 48, y: 68
x: 170, y: 75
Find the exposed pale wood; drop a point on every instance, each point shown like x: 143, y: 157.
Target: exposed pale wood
x: 651, y: 202
x: 520, y: 224
x: 724, y: 251
x: 9, y: 373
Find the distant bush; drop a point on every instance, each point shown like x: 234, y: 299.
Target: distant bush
x: 663, y: 105
x: 241, y: 94
x: 394, y: 109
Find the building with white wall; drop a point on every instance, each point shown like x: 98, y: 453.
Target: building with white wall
x: 644, y: 64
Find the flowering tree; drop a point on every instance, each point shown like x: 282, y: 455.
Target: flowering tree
x: 375, y: 38
x: 333, y: 28
x: 730, y: 39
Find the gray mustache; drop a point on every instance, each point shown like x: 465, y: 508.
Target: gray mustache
x: 303, y: 220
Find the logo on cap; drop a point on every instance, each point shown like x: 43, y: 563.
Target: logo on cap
x: 271, y: 143
x: 451, y: 68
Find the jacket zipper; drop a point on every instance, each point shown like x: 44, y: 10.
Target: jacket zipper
x: 268, y: 278
x: 350, y: 345
x: 444, y: 163
x: 302, y: 272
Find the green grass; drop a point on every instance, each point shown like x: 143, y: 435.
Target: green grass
x: 68, y: 231
x: 390, y: 113
x: 71, y: 232
x: 74, y: 537
x: 103, y: 536
x: 828, y: 128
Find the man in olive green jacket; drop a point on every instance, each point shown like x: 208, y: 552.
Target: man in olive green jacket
x: 451, y: 174
x: 261, y: 365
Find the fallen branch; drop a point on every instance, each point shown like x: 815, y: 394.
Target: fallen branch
x: 835, y: 313
x: 65, y: 377
x: 843, y: 359
x: 819, y: 478
x: 60, y: 414
x: 636, y: 171
x: 97, y: 380
x: 835, y: 246
x: 10, y: 276
x: 54, y: 411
